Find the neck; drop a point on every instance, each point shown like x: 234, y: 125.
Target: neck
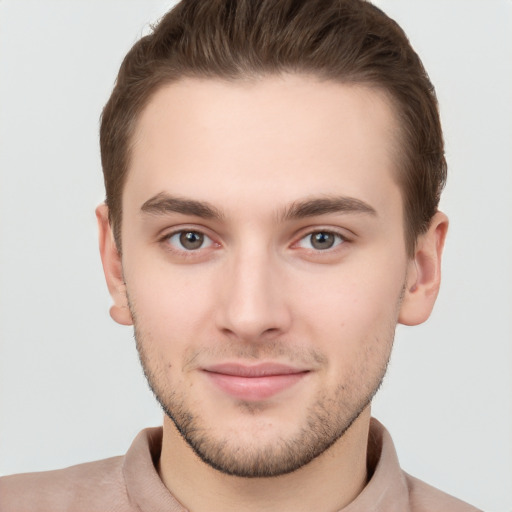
x: 329, y: 482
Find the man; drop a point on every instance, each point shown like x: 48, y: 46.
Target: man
x: 273, y: 171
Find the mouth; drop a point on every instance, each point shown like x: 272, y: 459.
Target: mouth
x: 254, y: 382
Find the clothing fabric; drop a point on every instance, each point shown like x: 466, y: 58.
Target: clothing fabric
x: 131, y: 483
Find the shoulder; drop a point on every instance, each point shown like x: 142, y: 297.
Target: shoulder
x: 94, y: 486
x: 425, y: 498
x: 391, y: 488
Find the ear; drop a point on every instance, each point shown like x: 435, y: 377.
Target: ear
x: 112, y: 267
x: 424, y: 273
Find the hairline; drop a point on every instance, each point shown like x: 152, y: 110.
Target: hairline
x: 397, y: 139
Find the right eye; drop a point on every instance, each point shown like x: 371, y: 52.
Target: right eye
x: 188, y: 240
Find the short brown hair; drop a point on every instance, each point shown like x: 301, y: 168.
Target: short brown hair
x: 348, y: 41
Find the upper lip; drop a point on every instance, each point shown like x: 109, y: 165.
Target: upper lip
x: 256, y: 370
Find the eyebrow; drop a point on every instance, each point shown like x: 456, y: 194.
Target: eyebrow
x: 164, y: 203
x: 325, y: 205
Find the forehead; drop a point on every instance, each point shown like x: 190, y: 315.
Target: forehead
x: 285, y: 134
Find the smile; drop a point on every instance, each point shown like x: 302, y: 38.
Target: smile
x: 254, y: 383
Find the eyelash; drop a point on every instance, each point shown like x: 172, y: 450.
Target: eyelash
x: 166, y: 240
x: 341, y: 239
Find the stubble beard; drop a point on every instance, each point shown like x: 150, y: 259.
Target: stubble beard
x: 326, y: 422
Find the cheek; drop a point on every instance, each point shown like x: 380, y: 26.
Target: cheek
x: 359, y: 304
x: 170, y: 304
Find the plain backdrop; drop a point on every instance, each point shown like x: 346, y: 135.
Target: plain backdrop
x: 71, y: 389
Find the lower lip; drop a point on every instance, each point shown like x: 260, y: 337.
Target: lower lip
x: 254, y: 388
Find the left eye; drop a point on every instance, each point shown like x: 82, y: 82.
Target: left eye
x: 189, y: 240
x: 321, y: 240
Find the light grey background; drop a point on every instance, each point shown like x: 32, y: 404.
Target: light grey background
x: 70, y: 385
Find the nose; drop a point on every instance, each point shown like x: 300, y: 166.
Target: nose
x: 252, y: 302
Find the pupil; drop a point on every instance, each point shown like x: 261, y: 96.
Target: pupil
x: 322, y: 240
x: 191, y: 240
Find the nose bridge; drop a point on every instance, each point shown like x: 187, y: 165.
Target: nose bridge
x: 253, y: 298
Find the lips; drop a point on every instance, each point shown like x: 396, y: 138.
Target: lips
x: 254, y: 382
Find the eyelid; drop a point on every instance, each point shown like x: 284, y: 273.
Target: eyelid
x: 206, y: 240
x: 343, y: 233
x: 168, y: 233
x: 338, y: 239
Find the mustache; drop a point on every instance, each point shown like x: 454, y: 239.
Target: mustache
x: 275, y: 351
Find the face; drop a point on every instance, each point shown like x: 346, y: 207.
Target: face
x: 264, y: 262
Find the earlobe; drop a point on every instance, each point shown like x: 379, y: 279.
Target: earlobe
x: 424, y: 274
x: 112, y: 267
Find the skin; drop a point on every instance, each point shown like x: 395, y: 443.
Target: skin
x: 254, y: 164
